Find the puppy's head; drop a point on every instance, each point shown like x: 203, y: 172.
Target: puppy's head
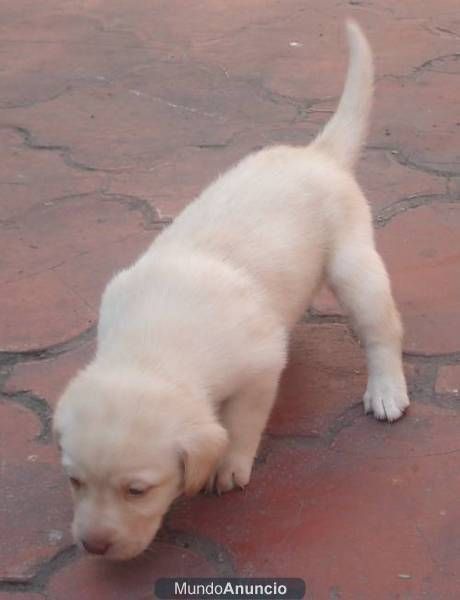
x: 130, y: 445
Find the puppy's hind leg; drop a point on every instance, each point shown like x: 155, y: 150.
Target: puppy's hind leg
x: 358, y: 277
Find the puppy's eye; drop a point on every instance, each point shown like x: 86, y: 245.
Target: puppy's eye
x: 135, y: 492
x: 75, y: 483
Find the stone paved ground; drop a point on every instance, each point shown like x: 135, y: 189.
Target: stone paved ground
x: 113, y: 115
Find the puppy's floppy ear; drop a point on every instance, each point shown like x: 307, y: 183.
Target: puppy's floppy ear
x: 202, y: 448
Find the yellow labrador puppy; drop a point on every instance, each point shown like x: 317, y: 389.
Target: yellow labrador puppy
x: 192, y: 338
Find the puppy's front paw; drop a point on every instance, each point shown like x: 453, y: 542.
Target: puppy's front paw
x: 233, y: 472
x: 386, y: 398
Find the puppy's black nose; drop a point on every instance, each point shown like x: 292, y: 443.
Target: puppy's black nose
x: 96, y: 546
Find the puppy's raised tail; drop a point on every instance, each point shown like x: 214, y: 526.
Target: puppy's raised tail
x: 344, y: 134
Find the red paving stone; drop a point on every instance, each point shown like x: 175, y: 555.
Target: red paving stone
x: 325, y: 376
x: 53, y: 265
x: 40, y: 311
x: 24, y: 167
x: 448, y: 381
x: 34, y: 511
x: 113, y: 116
x: 424, y: 269
x: 47, y: 378
x: 35, y: 517
x: 17, y: 418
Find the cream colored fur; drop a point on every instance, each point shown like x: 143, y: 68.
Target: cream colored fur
x: 193, y: 337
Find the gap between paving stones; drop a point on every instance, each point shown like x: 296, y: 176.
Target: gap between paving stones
x: 449, y: 401
x: 425, y: 66
x: 214, y: 553
x: 9, y: 359
x: 397, y: 154
x: 437, y: 59
x: 440, y: 359
x: 398, y: 456
x: 422, y: 386
x: 152, y: 220
x: 151, y: 216
x: 302, y: 105
x: 387, y: 214
x: 226, y: 144
x: 37, y: 405
x: 325, y: 440
x: 29, y: 103
x: 405, y: 161
x: 439, y: 31
x: 45, y: 571
x: 11, y: 221
x: 63, y: 151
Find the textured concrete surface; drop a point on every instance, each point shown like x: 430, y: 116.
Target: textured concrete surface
x: 113, y: 115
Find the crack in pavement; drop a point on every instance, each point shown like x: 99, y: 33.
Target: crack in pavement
x: 46, y: 570
x: 151, y: 216
x: 437, y: 59
x: 182, y: 107
x: 38, y: 406
x: 439, y: 358
x: 447, y: 401
x: 425, y: 66
x: 29, y: 103
x: 402, y: 159
x: 64, y: 151
x: 214, y: 553
x: 11, y: 358
x: 388, y: 213
x: 397, y: 456
x: 436, y: 30
x: 324, y: 440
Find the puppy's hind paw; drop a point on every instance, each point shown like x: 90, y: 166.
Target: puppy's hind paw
x: 386, y: 399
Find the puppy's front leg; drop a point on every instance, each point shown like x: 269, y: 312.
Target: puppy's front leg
x: 244, y: 415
